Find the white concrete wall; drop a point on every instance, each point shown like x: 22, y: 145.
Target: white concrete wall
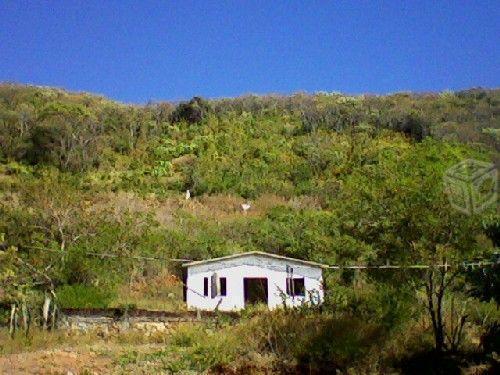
x: 235, y: 270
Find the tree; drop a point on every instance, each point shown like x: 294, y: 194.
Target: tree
x: 401, y: 209
x: 413, y: 125
x: 484, y: 282
x: 19, y: 278
x: 66, y: 136
x: 192, y: 112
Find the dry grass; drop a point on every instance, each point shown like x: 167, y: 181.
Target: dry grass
x: 221, y: 207
x: 261, y: 342
x: 159, y: 292
x: 227, y: 207
x: 60, y: 352
x: 38, y: 340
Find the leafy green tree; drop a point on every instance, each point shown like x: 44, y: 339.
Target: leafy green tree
x: 192, y: 112
x: 484, y: 282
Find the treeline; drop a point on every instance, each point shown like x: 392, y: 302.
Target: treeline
x: 77, y: 132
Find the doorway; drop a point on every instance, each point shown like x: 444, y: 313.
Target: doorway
x: 255, y: 290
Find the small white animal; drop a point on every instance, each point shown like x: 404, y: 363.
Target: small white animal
x: 245, y: 207
x: 188, y: 194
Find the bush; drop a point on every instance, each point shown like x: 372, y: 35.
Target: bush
x: 192, y: 112
x: 83, y: 296
x: 307, y: 340
x: 291, y: 341
x: 191, y: 349
x: 490, y: 340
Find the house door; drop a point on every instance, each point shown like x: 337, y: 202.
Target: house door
x: 255, y: 290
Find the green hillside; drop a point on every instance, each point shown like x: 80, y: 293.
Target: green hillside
x: 331, y: 178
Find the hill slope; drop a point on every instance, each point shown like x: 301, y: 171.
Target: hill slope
x: 93, y: 209
x: 330, y: 178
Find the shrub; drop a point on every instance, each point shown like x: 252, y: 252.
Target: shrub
x: 191, y: 348
x: 307, y: 340
x: 490, y: 340
x: 192, y: 112
x: 83, y: 296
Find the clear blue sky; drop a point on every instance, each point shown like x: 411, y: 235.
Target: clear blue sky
x: 135, y: 51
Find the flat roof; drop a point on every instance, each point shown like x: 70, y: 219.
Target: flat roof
x: 255, y: 253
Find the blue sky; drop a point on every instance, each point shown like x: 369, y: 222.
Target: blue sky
x: 135, y: 51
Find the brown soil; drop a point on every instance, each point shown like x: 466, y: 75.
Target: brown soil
x: 54, y: 362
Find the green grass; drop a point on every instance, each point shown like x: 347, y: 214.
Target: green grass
x: 83, y: 296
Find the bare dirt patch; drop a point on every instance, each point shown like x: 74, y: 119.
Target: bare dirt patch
x: 54, y: 362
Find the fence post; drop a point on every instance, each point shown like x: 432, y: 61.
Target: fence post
x: 26, y: 318
x: 45, y: 311
x: 13, y: 320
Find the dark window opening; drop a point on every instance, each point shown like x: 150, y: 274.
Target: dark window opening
x: 184, y: 284
x: 255, y: 290
x: 223, y: 287
x: 205, y: 286
x: 299, y: 287
x: 295, y: 287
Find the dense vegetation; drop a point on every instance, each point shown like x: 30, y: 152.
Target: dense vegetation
x: 87, y: 184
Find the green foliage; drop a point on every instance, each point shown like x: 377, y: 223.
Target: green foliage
x: 491, y: 338
x: 88, y: 186
x: 383, y: 304
x: 193, y: 348
x: 192, y: 112
x: 484, y: 283
x: 83, y: 296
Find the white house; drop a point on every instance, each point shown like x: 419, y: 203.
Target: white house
x: 233, y: 282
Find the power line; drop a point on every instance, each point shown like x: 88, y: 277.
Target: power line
x: 138, y: 257
x: 337, y: 267
x: 110, y: 255
x: 416, y: 266
x: 478, y: 264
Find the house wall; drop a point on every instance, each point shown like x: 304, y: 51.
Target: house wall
x: 234, y: 270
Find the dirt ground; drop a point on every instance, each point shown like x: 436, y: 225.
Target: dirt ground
x: 63, y: 353
x: 55, y: 362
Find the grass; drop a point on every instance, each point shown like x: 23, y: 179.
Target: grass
x: 83, y: 296
x: 49, y: 340
x: 293, y: 341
